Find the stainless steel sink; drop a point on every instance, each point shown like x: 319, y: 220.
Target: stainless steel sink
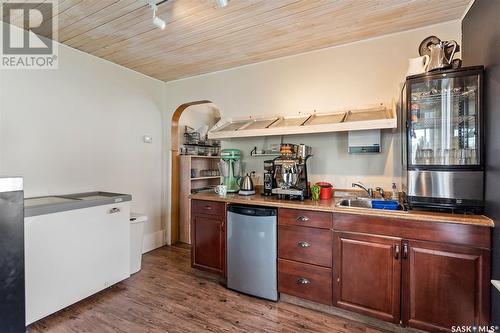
x: 355, y: 202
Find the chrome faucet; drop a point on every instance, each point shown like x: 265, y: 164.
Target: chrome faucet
x: 362, y: 186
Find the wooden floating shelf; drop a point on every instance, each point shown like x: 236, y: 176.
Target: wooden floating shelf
x: 375, y: 117
x: 202, y: 156
x: 263, y: 155
x: 208, y: 177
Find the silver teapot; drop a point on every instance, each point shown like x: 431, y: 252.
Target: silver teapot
x: 440, y: 54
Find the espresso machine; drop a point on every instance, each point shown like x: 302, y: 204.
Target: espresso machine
x: 290, y: 172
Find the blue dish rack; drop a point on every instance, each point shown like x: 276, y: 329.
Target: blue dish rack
x: 385, y: 204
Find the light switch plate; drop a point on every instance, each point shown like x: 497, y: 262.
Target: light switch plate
x: 496, y: 283
x: 147, y: 139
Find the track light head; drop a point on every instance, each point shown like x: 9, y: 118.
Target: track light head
x: 159, y: 22
x: 222, y: 3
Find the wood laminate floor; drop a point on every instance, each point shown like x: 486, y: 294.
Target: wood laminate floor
x: 167, y: 295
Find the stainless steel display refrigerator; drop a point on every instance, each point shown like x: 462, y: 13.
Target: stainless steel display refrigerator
x: 443, y: 143
x: 12, y: 299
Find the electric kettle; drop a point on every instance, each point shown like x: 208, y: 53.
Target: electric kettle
x: 246, y: 187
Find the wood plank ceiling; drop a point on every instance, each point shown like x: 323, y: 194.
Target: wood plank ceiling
x: 201, y: 38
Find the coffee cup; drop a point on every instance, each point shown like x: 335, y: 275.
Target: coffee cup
x: 221, y: 190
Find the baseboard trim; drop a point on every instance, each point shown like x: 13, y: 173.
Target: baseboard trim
x: 374, y: 323
x: 153, y: 241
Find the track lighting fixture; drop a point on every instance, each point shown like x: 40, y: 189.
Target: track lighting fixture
x: 221, y: 3
x: 156, y: 20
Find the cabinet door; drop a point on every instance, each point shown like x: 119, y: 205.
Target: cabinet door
x: 208, y: 242
x: 444, y: 285
x: 367, y: 271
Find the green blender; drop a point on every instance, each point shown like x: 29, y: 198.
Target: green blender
x: 230, y: 168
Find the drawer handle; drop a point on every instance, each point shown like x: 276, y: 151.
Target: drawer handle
x: 303, y: 244
x: 208, y: 208
x: 405, y: 251
x: 302, y: 219
x: 114, y: 210
x: 303, y: 281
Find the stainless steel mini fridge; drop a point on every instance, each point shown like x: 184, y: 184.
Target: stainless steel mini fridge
x: 12, y: 299
x: 444, y: 140
x: 252, y: 250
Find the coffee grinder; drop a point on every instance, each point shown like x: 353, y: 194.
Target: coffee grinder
x: 268, y: 178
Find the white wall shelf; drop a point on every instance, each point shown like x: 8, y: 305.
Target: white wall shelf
x: 373, y: 117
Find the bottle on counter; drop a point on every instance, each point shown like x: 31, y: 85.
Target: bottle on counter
x: 395, y: 193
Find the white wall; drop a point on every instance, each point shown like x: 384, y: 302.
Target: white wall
x: 360, y: 73
x: 80, y: 128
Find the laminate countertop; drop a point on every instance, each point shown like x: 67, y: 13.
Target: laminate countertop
x: 329, y: 206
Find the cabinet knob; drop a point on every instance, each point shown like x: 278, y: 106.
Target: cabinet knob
x: 396, y: 252
x: 303, y: 244
x: 302, y: 219
x: 405, y: 251
x: 208, y: 207
x: 303, y: 281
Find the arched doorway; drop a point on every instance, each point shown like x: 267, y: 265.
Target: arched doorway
x: 175, y: 174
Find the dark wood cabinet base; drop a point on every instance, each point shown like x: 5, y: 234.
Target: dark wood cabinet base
x: 368, y: 274
x: 208, y: 236
x: 419, y: 274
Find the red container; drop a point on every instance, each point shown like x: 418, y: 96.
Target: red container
x: 326, y: 190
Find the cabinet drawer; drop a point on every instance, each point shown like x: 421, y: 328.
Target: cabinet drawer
x: 309, y: 245
x: 305, y: 218
x: 305, y: 281
x: 208, y: 207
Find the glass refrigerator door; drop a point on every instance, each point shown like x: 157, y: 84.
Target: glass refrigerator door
x: 444, y: 122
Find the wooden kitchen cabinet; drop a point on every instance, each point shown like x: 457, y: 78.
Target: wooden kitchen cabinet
x: 305, y: 254
x: 443, y: 277
x: 208, y: 236
x: 444, y: 285
x: 304, y: 218
x: 367, y: 274
x: 305, y: 281
x: 308, y: 245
